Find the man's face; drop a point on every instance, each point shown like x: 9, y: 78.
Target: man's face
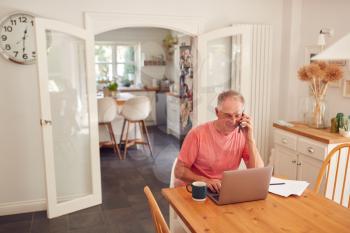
x: 229, y: 114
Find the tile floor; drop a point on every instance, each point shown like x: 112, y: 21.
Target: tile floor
x: 124, y: 208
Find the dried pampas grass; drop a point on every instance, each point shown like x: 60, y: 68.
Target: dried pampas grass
x: 333, y: 73
x: 303, y: 74
x: 319, y: 74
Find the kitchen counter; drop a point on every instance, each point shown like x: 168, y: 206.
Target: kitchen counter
x: 321, y: 135
x: 137, y: 89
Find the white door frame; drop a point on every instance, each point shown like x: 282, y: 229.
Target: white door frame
x: 99, y: 22
x: 54, y: 208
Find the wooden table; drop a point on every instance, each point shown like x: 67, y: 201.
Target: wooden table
x: 309, y: 213
x: 120, y: 99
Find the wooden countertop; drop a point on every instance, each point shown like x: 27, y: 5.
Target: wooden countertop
x: 136, y: 89
x: 321, y: 135
x: 173, y: 94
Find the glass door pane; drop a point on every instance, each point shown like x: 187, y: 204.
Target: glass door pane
x: 218, y: 71
x: 70, y: 115
x: 224, y: 63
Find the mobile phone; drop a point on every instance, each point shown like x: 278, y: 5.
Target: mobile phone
x: 240, y: 125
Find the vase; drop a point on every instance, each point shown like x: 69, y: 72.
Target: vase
x: 106, y: 92
x: 316, y: 116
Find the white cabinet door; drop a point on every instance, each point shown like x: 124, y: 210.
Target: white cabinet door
x: 68, y: 116
x: 173, y: 115
x: 286, y: 163
x: 308, y: 169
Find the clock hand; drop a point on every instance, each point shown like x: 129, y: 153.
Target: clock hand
x: 24, y: 38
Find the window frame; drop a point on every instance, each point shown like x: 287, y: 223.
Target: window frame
x: 114, y: 63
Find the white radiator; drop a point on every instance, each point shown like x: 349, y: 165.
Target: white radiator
x: 258, y: 88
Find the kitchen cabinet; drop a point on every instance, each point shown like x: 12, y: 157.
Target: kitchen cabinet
x: 173, y: 115
x: 299, y: 151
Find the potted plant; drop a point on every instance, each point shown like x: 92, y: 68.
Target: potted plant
x: 111, y: 89
x: 168, y: 42
x: 345, y: 130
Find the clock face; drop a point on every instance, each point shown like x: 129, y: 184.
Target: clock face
x: 17, y: 42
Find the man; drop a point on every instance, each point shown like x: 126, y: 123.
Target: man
x: 219, y: 145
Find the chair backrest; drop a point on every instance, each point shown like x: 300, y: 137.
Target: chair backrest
x: 137, y: 108
x: 336, y: 166
x: 158, y: 219
x: 107, y: 109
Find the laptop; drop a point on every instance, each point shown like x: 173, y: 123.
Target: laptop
x: 243, y: 185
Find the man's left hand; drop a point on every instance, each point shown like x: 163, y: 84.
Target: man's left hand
x: 248, y: 125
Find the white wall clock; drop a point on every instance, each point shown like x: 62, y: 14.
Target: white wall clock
x: 17, y: 40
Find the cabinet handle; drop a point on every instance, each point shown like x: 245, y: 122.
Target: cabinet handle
x: 299, y: 164
x: 284, y: 140
x: 294, y: 161
x: 310, y: 149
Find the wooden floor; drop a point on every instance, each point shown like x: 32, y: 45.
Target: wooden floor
x: 124, y: 208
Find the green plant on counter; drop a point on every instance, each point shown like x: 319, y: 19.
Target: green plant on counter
x: 169, y: 40
x: 113, y: 86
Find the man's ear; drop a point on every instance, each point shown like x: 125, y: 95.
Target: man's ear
x: 216, y: 111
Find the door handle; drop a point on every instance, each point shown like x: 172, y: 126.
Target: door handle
x: 284, y: 140
x: 310, y: 149
x: 45, y: 122
x: 294, y: 161
x: 299, y: 164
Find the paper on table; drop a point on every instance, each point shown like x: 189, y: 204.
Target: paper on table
x: 291, y: 187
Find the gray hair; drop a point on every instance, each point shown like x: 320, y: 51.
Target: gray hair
x: 230, y: 93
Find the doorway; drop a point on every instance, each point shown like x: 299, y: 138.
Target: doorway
x: 201, y: 85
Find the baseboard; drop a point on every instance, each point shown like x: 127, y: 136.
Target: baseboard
x: 22, y: 207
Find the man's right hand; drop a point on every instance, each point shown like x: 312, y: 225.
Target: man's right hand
x: 214, y: 185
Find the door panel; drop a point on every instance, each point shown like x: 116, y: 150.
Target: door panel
x: 69, y: 117
x: 224, y: 62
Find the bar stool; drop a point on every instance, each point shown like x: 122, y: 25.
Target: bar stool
x: 136, y: 110
x: 107, y: 111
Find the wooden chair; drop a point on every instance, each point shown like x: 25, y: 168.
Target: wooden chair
x: 158, y: 219
x: 326, y: 170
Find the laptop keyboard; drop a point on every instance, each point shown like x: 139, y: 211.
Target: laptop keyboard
x: 213, y: 195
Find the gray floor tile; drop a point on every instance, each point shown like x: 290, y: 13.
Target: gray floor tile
x: 16, y: 218
x: 85, y: 220
x: 15, y: 227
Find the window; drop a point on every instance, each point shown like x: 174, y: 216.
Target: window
x: 116, y: 62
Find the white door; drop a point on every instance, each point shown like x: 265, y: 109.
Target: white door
x: 224, y: 62
x: 68, y: 117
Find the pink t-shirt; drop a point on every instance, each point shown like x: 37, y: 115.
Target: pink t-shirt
x: 209, y: 153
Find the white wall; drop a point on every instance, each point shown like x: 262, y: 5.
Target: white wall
x: 301, y: 31
x: 21, y: 157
